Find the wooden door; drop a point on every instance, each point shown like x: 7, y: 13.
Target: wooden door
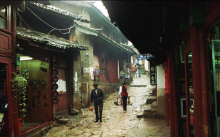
x: 62, y: 106
x: 112, y: 70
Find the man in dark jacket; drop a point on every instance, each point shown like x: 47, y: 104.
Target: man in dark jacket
x: 98, y: 96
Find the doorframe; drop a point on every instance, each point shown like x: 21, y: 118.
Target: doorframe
x: 186, y: 52
x: 12, y: 106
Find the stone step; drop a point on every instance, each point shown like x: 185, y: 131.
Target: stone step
x: 150, y: 100
x: 154, y: 104
x: 150, y: 113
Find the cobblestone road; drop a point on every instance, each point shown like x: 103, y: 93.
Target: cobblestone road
x: 115, y: 122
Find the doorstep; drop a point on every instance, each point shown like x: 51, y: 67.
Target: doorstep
x: 38, y: 130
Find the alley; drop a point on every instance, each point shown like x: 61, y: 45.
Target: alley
x: 115, y: 121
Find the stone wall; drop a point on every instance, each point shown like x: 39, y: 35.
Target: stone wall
x: 84, y: 67
x: 107, y: 88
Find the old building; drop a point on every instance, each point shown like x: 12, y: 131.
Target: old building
x: 60, y: 53
x: 108, y: 52
x: 32, y: 49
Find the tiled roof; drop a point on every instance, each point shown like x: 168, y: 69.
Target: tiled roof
x: 131, y: 47
x: 59, y: 11
x: 48, y: 40
x: 97, y: 32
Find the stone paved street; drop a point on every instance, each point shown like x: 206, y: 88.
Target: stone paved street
x: 116, y: 123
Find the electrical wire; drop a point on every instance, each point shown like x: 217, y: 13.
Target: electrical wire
x: 52, y: 26
x: 74, y: 22
x: 22, y: 19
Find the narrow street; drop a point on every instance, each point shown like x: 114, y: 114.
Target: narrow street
x: 115, y: 121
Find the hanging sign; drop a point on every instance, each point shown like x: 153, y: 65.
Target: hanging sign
x: 153, y: 73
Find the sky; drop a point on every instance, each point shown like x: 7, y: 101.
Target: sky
x: 101, y: 7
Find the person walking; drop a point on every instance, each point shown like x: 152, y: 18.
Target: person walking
x: 98, y: 96
x: 135, y: 71
x: 123, y: 92
x: 139, y: 70
x: 122, y: 74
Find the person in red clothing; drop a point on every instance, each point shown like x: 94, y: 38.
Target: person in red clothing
x: 123, y: 92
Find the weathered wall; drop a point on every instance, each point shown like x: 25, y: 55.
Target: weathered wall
x: 76, y: 83
x: 161, y: 97
x: 85, y: 65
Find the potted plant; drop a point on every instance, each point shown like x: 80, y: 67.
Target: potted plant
x: 19, y: 89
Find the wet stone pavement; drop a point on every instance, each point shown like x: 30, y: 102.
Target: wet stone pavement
x: 116, y: 123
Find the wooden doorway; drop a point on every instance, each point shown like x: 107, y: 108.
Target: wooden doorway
x: 62, y: 106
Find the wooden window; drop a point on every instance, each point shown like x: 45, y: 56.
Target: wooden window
x: 3, y: 17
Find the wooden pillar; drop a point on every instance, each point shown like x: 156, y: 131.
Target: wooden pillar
x: 204, y: 84
x: 172, y: 98
x: 70, y: 77
x: 194, y: 30
x: 167, y: 90
x: 187, y: 50
x: 187, y: 97
x: 14, y: 104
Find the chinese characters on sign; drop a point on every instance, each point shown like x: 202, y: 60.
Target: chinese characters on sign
x: 153, y: 73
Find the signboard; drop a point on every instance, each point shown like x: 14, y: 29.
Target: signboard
x: 153, y: 73
x: 148, y: 56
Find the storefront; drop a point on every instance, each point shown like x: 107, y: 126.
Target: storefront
x: 214, y: 44
x: 49, y: 76
x: 38, y: 100
x: 197, y: 88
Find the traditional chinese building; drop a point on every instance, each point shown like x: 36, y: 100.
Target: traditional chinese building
x: 109, y: 52
x: 47, y: 60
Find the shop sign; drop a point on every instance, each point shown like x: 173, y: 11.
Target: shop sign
x: 147, y: 56
x: 153, y: 73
